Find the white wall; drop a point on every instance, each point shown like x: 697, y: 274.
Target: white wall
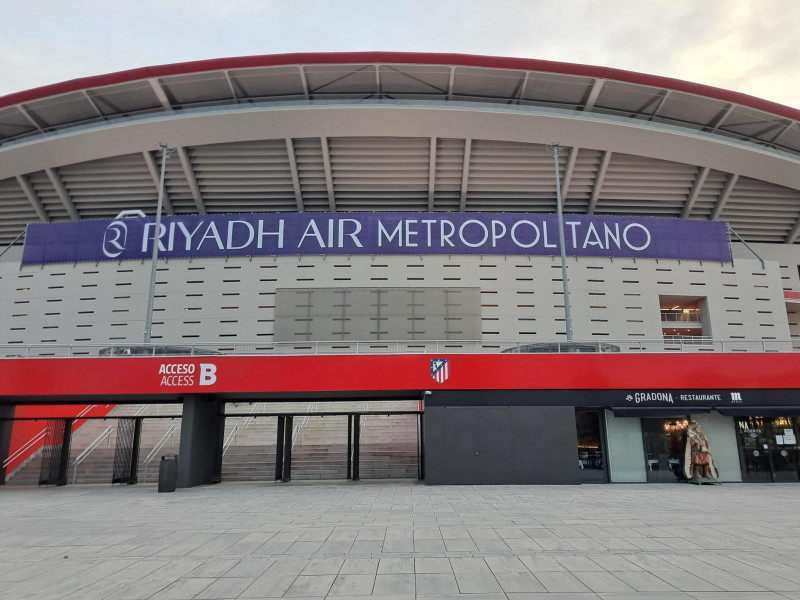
x: 218, y: 300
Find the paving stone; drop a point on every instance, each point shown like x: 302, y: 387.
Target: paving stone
x: 352, y: 585
x: 400, y: 583
x: 310, y: 585
x: 392, y: 566
x: 225, y: 587
x: 436, y: 584
x: 263, y: 541
x: 519, y: 582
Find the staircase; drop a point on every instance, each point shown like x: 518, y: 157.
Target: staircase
x: 388, y: 444
x: 98, y: 466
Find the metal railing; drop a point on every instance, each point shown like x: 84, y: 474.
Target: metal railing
x: 676, y: 317
x: 211, y: 350
x: 106, y: 435
x: 169, y: 435
x: 25, y: 447
x: 363, y: 419
x: 303, y: 422
x: 36, y: 438
x: 239, y: 427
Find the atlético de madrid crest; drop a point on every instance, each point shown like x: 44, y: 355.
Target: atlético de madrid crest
x: 440, y: 369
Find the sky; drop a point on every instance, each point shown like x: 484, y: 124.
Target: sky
x: 750, y: 46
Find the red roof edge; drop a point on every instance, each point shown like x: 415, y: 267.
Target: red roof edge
x: 463, y: 60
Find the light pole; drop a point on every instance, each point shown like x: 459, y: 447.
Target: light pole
x: 553, y: 149
x: 148, y: 326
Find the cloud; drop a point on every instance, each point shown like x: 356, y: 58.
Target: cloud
x: 744, y: 45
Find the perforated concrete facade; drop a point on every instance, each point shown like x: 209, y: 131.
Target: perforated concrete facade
x: 521, y: 299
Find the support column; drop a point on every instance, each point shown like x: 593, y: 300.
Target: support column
x: 137, y: 437
x: 356, y: 444
x: 63, y: 465
x: 6, y: 412
x: 421, y: 445
x: 202, y: 437
x: 349, y: 446
x: 279, y: 448
x: 287, y: 449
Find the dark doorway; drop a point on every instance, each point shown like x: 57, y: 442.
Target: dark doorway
x: 768, y: 448
x: 589, y: 425
x: 664, y: 447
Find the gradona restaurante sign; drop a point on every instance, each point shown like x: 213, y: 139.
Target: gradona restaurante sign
x: 277, y: 234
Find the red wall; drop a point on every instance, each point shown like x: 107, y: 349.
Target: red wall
x: 65, y: 379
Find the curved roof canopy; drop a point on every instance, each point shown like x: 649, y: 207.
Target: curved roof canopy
x: 398, y: 75
x: 398, y: 131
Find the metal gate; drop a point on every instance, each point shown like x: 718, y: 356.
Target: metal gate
x: 126, y: 452
x: 55, y: 453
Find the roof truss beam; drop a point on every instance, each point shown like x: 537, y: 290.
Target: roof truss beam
x: 304, y: 81
x: 598, y: 182
x: 93, y: 104
x: 435, y: 88
x: 326, y: 164
x: 29, y: 117
x: 188, y: 172
x: 593, y: 94
x: 717, y: 122
x: 298, y: 194
x: 785, y: 128
x: 660, y: 100
x: 231, y: 86
x: 523, y: 86
x: 462, y: 206
x: 320, y: 88
x: 450, y: 83
x: 699, y: 181
x: 30, y: 194
x: 571, y: 160
x: 160, y: 93
x: 155, y: 176
x: 63, y: 195
x: 792, y: 235
x: 724, y: 195
x: 431, y: 173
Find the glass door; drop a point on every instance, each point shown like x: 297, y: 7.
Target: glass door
x: 664, y: 446
x: 783, y: 449
x: 754, y: 449
x: 768, y: 448
x: 591, y: 446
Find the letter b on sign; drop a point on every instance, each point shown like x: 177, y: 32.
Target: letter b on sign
x: 208, y: 374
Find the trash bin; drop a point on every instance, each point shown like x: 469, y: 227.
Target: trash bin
x: 168, y: 473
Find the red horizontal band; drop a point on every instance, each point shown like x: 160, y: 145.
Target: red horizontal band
x: 109, y: 377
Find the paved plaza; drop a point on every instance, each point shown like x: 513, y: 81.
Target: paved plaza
x: 401, y: 540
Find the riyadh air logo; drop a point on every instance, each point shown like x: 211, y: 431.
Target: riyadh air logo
x: 440, y: 369
x: 115, y: 239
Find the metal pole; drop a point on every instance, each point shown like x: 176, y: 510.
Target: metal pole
x: 16, y: 239
x: 148, y: 326
x: 553, y: 149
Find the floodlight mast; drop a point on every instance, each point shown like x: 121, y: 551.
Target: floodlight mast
x: 166, y: 151
x: 553, y: 148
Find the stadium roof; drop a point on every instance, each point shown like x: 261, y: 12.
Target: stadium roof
x: 52, y: 168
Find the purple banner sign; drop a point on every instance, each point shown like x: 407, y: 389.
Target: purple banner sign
x: 281, y: 234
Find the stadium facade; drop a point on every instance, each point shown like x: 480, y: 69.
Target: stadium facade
x: 379, y: 227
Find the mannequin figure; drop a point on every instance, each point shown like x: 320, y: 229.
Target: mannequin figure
x: 698, y: 465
